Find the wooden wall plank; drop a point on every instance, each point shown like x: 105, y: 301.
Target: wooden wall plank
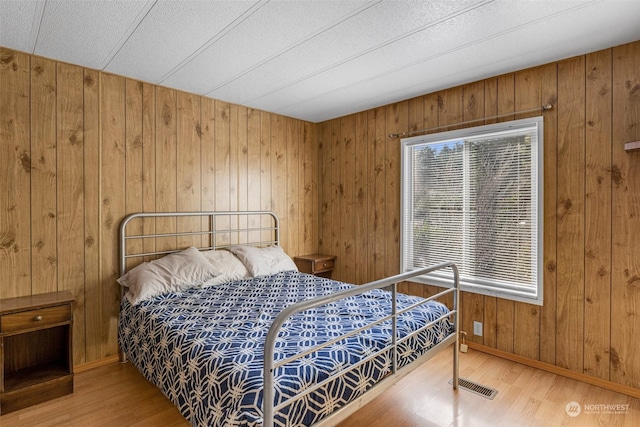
x: 279, y: 175
x: 415, y: 123
x: 208, y: 189
x: 92, y: 260
x: 233, y: 169
x: 397, y: 116
x: 112, y: 209
x: 315, y: 176
x: 505, y: 308
x: 625, y: 176
x: 431, y: 112
x: 491, y: 100
x: 337, y: 194
x: 597, y: 261
x: 528, y: 92
x: 15, y: 173
x: 548, y: 310
x: 188, y: 173
x: 309, y: 236
x: 337, y: 220
x: 417, y: 115
x: 305, y: 225
x: 506, y: 97
x: 293, y: 185
x: 266, y: 201
x: 323, y: 188
x: 222, y: 167
x: 346, y: 193
x: 44, y: 251
x: 490, y: 321
x: 472, y: 304
x: 450, y: 107
x: 70, y: 195
x: 473, y: 103
x: 253, y: 168
x: 328, y: 220
x: 380, y: 135
x: 242, y: 150
x: 571, y: 170
x: 335, y: 203
x: 149, y: 116
x: 133, y: 162
x: 490, y: 312
x: 166, y: 164
x: 528, y: 96
x: 370, y: 177
x: 361, y: 203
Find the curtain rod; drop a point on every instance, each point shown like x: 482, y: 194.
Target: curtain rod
x: 546, y: 107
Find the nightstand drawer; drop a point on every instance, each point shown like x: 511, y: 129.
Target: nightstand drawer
x: 322, y: 265
x: 35, y: 318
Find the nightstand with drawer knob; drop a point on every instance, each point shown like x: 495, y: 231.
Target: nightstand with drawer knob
x: 36, y: 356
x: 318, y: 264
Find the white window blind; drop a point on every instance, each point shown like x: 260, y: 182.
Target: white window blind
x: 474, y: 196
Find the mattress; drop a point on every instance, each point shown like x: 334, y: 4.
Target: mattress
x: 204, y: 347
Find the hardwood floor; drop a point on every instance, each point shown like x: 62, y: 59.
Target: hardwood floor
x: 526, y: 397
x: 112, y: 395
x: 118, y: 395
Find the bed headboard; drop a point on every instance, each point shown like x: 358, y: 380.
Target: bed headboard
x: 146, y: 235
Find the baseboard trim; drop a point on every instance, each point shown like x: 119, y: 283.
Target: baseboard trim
x: 609, y: 385
x: 95, y: 364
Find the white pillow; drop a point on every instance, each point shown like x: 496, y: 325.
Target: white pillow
x: 172, y: 273
x: 227, y: 264
x: 264, y: 261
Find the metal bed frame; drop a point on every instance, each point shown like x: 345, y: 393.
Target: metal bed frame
x: 270, y: 365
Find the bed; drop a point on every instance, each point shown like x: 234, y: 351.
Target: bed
x: 277, y: 347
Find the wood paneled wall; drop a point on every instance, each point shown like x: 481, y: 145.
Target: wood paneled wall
x: 590, y: 318
x: 80, y: 149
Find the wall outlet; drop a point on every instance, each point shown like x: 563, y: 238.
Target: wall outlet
x: 477, y: 328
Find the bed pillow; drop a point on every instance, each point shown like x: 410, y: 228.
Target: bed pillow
x: 227, y: 264
x: 172, y: 273
x: 264, y: 261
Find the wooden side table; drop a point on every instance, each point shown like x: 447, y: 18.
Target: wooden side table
x: 36, y: 356
x: 318, y: 264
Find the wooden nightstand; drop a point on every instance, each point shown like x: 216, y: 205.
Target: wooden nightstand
x: 36, y: 357
x: 320, y: 265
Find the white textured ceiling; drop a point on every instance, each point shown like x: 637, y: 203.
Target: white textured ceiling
x: 314, y: 59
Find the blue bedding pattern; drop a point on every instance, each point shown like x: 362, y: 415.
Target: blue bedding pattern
x: 204, y: 347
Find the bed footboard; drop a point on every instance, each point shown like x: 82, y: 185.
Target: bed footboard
x: 269, y: 406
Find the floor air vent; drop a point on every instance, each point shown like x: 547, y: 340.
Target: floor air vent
x: 476, y: 388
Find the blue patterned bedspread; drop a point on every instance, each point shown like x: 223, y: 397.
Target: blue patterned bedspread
x: 204, y: 347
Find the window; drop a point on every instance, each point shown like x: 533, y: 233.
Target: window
x: 474, y: 196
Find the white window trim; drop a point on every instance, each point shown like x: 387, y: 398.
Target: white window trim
x: 444, y: 279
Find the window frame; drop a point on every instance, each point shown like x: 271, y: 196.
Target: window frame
x: 537, y: 191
